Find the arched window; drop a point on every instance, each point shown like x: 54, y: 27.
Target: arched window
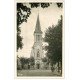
x: 38, y: 55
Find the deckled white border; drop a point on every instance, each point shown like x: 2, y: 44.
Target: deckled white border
x: 63, y: 33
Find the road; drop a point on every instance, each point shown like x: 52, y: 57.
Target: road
x: 44, y: 73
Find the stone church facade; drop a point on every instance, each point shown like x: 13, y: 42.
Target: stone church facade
x: 37, y: 50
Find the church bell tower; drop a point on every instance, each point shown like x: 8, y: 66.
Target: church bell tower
x: 37, y: 51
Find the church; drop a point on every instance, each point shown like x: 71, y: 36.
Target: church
x: 37, y: 49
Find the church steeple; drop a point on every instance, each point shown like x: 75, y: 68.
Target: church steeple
x: 37, y: 50
x: 38, y: 27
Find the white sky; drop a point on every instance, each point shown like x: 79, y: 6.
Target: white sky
x: 48, y: 17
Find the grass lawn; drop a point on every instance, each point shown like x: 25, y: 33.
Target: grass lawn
x: 25, y: 73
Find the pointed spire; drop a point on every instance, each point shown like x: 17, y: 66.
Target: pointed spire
x: 38, y: 27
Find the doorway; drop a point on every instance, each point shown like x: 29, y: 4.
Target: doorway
x: 38, y: 66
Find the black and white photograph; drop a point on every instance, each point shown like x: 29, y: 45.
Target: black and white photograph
x: 39, y: 39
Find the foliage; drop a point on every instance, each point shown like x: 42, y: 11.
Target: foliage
x: 24, y: 61
x: 44, y: 59
x: 18, y: 63
x: 43, y: 5
x: 32, y: 61
x: 23, y: 13
x: 60, y: 5
x: 53, y: 37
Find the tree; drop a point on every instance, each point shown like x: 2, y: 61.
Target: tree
x: 44, y: 59
x: 32, y: 61
x: 53, y: 37
x: 24, y: 61
x: 18, y: 63
x: 23, y: 12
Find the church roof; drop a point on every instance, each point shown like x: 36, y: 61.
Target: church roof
x: 38, y: 27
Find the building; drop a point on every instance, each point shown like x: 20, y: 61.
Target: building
x: 37, y: 50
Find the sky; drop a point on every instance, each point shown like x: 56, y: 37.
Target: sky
x: 47, y: 16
